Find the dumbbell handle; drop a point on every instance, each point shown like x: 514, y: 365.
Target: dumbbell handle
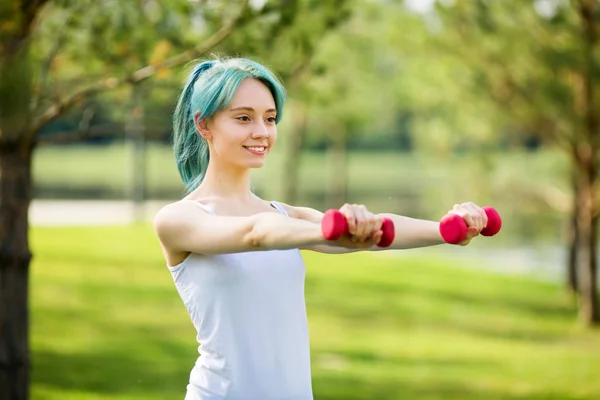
x: 453, y: 228
x: 334, y: 225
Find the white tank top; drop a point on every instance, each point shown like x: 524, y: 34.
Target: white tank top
x: 250, y: 315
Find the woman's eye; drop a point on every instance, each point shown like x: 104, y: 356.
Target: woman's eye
x: 244, y: 118
x: 271, y: 119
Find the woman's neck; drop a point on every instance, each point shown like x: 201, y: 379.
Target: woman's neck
x: 228, y: 183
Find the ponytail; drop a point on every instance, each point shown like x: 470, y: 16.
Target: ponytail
x: 191, y: 149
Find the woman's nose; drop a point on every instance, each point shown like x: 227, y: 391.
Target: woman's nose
x: 260, y: 130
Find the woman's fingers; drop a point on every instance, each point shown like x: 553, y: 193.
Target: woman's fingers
x: 348, y: 211
x: 475, y: 218
x: 362, y: 224
x: 473, y: 215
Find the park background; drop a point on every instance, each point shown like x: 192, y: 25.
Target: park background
x: 405, y: 106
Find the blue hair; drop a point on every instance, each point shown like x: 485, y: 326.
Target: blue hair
x: 210, y: 88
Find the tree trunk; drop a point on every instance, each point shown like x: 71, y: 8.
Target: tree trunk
x: 15, y: 196
x: 291, y: 168
x: 573, y: 241
x: 587, y: 221
x: 587, y: 165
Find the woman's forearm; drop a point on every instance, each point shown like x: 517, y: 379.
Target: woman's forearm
x: 412, y: 233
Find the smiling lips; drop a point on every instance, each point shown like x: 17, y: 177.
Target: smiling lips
x: 258, y: 150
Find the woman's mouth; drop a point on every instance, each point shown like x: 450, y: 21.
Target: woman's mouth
x: 258, y: 150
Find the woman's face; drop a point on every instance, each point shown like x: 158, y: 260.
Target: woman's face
x: 244, y: 132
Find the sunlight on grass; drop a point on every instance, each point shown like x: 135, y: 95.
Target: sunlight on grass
x: 107, y: 323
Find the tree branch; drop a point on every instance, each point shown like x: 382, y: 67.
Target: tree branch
x: 30, y: 10
x: 502, y: 82
x: 138, y: 76
x: 47, y: 65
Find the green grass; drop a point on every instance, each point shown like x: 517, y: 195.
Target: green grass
x: 107, y: 323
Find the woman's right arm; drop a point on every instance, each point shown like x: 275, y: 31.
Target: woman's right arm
x: 184, y: 227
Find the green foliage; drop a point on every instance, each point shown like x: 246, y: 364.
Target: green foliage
x: 529, y: 59
x: 467, y: 76
x: 286, y: 39
x: 405, y: 325
x: 352, y: 88
x: 379, y: 78
x: 82, y: 42
x: 78, y: 43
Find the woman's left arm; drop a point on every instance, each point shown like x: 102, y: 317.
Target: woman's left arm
x: 410, y: 233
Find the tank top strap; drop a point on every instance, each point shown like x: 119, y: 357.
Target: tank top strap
x: 205, y: 207
x: 279, y: 207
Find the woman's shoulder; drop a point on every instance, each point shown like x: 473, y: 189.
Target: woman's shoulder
x: 179, y: 209
x: 182, y: 204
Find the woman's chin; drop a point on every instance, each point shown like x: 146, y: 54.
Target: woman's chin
x: 255, y: 164
x: 252, y: 162
x: 258, y: 162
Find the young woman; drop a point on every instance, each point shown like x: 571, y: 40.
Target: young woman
x: 235, y: 257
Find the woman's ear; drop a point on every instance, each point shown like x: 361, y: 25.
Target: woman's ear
x: 202, y: 126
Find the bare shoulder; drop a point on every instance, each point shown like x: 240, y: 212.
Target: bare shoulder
x: 173, y: 222
x: 177, y: 210
x: 177, y: 225
x: 176, y: 215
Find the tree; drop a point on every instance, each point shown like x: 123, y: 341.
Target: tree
x: 348, y: 93
x: 540, y: 63
x: 117, y: 41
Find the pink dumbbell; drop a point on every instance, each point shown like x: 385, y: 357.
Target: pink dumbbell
x: 334, y: 226
x: 454, y: 229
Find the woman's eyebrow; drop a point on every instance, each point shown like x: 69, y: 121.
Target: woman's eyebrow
x: 250, y: 109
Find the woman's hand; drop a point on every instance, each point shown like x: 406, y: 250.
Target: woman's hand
x: 363, y: 225
x: 475, y: 218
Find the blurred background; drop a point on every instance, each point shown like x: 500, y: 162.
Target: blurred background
x: 407, y: 107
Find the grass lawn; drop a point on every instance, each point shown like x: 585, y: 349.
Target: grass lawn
x: 107, y: 323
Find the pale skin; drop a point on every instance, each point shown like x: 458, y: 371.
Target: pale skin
x: 239, y: 138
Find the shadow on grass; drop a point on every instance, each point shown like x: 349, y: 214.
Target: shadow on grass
x: 121, y: 366
x: 330, y: 363
x: 331, y: 386
x: 373, y: 301
x: 116, y: 358
x: 112, y: 372
x: 368, y: 357
x: 521, y: 303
